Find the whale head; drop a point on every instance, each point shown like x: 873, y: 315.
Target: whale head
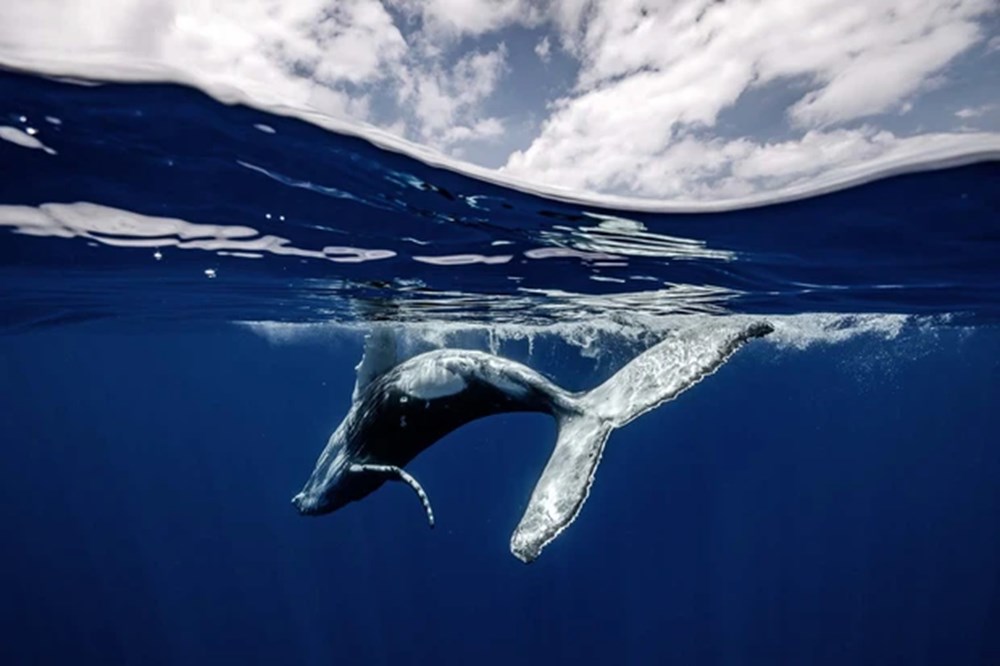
x: 327, y: 494
x: 333, y: 483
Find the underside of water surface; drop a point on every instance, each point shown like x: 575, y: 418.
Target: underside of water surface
x: 157, y: 202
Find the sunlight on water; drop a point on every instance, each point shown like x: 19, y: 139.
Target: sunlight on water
x: 121, y: 228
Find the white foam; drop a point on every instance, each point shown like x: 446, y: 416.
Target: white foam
x: 608, y: 337
x: 380, y: 355
x: 802, y: 331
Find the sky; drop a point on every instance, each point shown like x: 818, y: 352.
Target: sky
x: 701, y: 100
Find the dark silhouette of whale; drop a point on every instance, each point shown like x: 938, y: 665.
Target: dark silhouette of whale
x: 400, y: 409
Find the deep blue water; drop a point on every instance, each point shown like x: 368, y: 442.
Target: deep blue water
x: 828, y: 497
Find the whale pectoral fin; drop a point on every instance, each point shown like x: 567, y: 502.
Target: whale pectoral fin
x: 666, y: 370
x: 400, y: 474
x: 564, y: 485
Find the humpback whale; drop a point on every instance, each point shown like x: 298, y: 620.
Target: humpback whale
x: 401, y: 408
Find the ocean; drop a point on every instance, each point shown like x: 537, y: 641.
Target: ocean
x: 186, y: 289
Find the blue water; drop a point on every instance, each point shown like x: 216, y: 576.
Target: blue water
x: 830, y: 496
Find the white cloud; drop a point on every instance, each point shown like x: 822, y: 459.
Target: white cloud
x: 445, y: 102
x: 543, y: 49
x: 974, y: 111
x: 643, y: 114
x: 299, y: 53
x: 693, y: 169
x: 816, y: 151
x: 879, y: 78
x: 655, y: 77
x: 455, y: 18
x: 487, y: 128
x: 307, y: 54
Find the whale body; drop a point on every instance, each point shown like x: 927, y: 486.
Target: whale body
x: 401, y: 408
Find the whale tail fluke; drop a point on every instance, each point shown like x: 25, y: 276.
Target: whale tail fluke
x: 564, y: 484
x: 656, y: 376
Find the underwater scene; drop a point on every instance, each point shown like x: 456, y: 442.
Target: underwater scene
x: 278, y: 392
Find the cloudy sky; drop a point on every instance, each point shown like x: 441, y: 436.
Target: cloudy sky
x: 682, y: 99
